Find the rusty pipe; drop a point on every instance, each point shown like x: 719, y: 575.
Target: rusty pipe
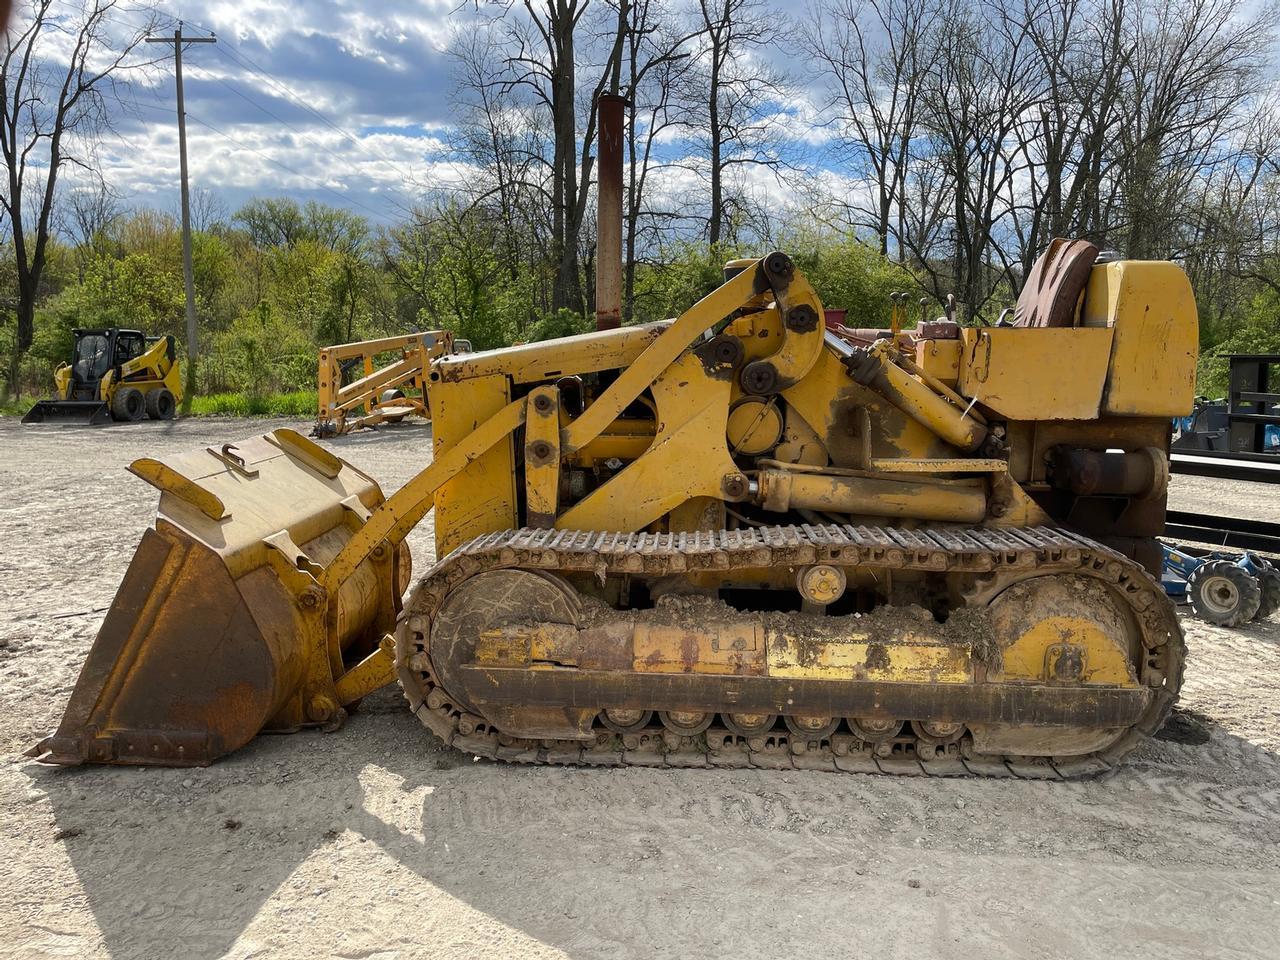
x: 782, y: 490
x: 609, y: 212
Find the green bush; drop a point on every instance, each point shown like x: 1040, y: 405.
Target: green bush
x: 849, y: 275
x: 1257, y: 332
x: 297, y: 403
x: 16, y: 408
x: 685, y: 274
x: 562, y: 323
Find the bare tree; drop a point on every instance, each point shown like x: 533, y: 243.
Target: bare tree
x: 730, y: 93
x: 504, y: 141
x: 658, y: 61
x: 207, y: 210
x: 86, y: 215
x: 979, y: 83
x: 62, y: 73
x: 873, y: 55
x: 542, y: 58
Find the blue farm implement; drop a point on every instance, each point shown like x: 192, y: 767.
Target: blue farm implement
x: 1222, y: 588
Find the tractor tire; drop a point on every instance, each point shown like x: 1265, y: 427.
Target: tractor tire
x: 161, y: 405
x: 1222, y: 593
x: 1269, y: 580
x: 127, y: 405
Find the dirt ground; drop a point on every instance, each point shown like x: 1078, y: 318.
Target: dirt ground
x: 378, y: 842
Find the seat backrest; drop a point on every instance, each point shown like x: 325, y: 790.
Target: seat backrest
x: 1054, y: 285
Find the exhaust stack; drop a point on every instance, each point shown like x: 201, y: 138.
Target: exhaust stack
x: 609, y: 212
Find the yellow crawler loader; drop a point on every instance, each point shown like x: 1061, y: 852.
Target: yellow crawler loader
x: 730, y: 539
x: 114, y: 375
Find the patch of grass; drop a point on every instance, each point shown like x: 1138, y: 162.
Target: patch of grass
x: 299, y: 403
x: 17, y: 408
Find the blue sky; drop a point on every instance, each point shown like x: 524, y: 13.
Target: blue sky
x: 325, y: 99
x: 350, y: 103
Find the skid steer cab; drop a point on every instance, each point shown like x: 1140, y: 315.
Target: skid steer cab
x: 114, y: 375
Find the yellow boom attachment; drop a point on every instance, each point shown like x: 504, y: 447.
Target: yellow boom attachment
x: 385, y: 394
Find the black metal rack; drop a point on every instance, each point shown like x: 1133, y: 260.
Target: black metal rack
x: 1253, y: 402
x: 1231, y: 444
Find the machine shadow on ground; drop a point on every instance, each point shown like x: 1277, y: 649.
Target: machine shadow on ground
x: 586, y: 861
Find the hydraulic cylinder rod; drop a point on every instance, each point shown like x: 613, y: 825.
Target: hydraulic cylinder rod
x: 873, y: 367
x: 782, y: 490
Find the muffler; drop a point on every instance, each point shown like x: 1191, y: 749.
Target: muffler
x: 222, y: 628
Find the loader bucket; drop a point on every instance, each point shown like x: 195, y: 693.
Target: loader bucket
x: 220, y: 629
x: 94, y: 413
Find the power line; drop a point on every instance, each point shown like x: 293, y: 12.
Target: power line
x: 243, y: 60
x: 244, y: 146
x: 274, y: 116
x: 188, y: 279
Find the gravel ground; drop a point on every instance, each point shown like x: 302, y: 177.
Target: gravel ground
x: 378, y: 842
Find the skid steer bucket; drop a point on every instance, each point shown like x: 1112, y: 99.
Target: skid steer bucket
x: 221, y: 628
x: 95, y: 413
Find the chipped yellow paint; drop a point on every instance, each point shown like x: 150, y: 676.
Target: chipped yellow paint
x: 1036, y: 373
x: 542, y: 457
x: 1031, y: 655
x: 688, y: 457
x: 734, y: 647
x: 909, y: 658
x: 550, y: 359
x: 482, y: 498
x: 940, y: 359
x: 1152, y: 310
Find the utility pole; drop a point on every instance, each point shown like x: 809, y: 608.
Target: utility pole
x: 188, y: 280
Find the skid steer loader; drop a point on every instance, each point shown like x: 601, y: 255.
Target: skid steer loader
x: 730, y: 539
x: 114, y: 375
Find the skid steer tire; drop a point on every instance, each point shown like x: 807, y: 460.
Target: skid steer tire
x: 1223, y: 593
x: 161, y: 405
x: 1269, y: 580
x: 127, y: 405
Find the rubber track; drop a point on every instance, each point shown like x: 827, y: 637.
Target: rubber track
x: 991, y: 559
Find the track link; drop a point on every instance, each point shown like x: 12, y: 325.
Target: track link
x: 991, y: 559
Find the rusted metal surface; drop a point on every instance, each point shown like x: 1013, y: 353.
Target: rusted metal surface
x: 1098, y: 725
x: 981, y: 703
x: 1139, y: 473
x: 542, y: 457
x: 875, y: 367
x: 609, y: 149
x: 220, y: 629
x: 1055, y: 283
